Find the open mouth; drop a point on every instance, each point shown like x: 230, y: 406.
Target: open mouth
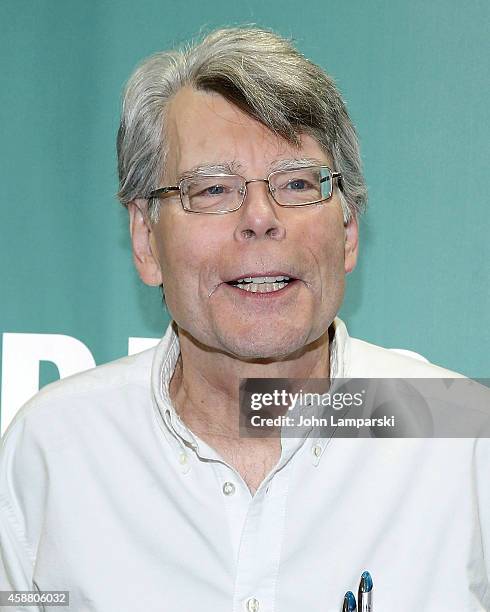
x: 262, y: 284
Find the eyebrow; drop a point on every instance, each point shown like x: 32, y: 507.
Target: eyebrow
x: 231, y: 167
x: 234, y: 167
x: 297, y: 162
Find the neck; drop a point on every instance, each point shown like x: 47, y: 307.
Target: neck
x: 205, y: 385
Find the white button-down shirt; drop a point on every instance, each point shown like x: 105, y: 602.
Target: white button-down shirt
x: 104, y: 492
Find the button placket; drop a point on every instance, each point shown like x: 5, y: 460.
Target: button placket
x: 234, y: 500
x: 260, y: 546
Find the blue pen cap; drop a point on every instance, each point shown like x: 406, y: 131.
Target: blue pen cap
x: 366, y: 582
x: 349, y: 602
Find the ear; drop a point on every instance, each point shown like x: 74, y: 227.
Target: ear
x: 351, y: 247
x: 144, y: 251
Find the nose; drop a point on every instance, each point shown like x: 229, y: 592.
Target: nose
x: 258, y: 214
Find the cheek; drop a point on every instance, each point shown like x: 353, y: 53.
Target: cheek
x: 177, y: 267
x: 326, y: 244
x: 185, y: 254
x: 178, y: 278
x: 170, y: 250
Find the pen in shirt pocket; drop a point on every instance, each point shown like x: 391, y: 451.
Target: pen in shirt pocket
x: 365, y: 593
x: 349, y: 602
x: 364, y: 596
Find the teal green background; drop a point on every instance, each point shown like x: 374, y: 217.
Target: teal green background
x: 415, y: 76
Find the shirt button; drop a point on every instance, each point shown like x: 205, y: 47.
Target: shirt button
x: 228, y: 488
x: 317, y: 450
x: 183, y: 458
x: 253, y: 605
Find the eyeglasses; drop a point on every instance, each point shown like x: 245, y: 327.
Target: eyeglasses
x: 218, y: 194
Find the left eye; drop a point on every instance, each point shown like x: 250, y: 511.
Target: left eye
x: 297, y: 184
x: 215, y: 190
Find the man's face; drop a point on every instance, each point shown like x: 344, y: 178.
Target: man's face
x: 196, y: 254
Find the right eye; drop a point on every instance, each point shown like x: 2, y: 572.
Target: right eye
x: 213, y: 190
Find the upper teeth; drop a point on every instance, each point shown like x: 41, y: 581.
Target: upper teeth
x: 262, y: 279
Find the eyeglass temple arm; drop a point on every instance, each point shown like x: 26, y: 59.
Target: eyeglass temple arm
x: 334, y: 175
x: 162, y: 191
x: 338, y: 175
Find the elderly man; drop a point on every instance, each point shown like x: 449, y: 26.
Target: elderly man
x: 130, y: 485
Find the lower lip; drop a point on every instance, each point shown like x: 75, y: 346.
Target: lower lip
x: 266, y: 295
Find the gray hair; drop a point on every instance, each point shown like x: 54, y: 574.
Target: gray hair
x: 263, y: 75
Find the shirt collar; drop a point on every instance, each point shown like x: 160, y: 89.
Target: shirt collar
x: 165, y: 360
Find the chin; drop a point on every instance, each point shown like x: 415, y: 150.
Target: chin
x: 264, y: 347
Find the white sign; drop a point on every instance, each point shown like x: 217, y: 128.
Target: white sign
x: 22, y: 354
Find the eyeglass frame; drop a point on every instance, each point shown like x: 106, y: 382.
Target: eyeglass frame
x: 156, y: 193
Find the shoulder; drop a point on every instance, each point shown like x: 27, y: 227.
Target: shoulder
x: 71, y: 420
x: 56, y: 437
x: 366, y: 360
